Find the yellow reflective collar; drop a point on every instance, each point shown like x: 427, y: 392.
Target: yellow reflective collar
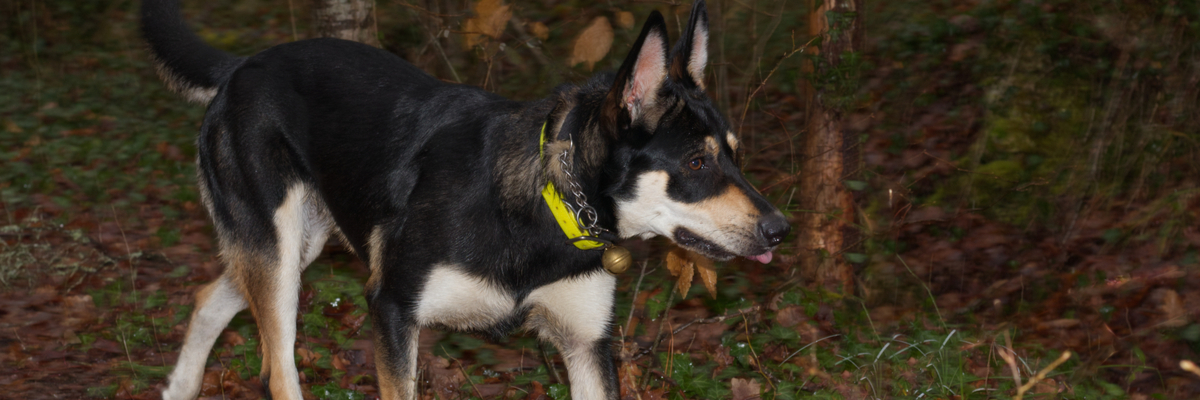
x: 566, y: 219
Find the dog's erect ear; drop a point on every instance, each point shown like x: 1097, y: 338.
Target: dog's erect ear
x: 641, y: 75
x: 691, y: 53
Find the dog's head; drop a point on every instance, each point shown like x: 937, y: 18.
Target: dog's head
x: 676, y: 165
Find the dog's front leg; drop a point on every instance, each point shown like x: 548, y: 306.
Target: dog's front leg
x: 575, y: 315
x: 396, y: 334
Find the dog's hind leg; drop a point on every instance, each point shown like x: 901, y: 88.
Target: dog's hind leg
x: 394, y: 323
x: 216, y: 304
x: 575, y: 314
x: 395, y: 349
x: 301, y: 227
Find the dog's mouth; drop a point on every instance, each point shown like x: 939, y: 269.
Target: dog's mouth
x: 694, y: 242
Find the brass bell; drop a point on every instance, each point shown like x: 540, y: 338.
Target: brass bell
x: 616, y: 259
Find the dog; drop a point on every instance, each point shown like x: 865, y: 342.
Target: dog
x: 472, y: 211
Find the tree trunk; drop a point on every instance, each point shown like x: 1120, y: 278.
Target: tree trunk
x: 346, y: 19
x: 831, y: 154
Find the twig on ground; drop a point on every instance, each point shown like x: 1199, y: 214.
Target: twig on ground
x: 757, y: 362
x: 710, y: 320
x: 719, y: 318
x: 666, y: 312
x: 1066, y: 355
x: 794, y: 353
x: 932, y: 299
x: 636, y: 290
x: 550, y: 363
x: 19, y: 340
x: 157, y: 347
x: 1005, y: 352
x: 128, y: 356
x: 662, y: 322
x: 464, y: 372
x: 128, y: 255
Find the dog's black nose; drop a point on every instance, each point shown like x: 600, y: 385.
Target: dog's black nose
x: 774, y: 228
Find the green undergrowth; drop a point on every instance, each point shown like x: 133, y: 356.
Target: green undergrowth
x: 831, y: 353
x: 86, y: 146
x: 920, y: 357
x: 137, y: 323
x: 1066, y: 116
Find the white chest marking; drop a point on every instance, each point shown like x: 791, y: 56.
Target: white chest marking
x: 575, y: 315
x: 580, y: 307
x: 457, y: 300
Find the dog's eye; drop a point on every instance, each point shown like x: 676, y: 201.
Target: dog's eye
x: 696, y: 163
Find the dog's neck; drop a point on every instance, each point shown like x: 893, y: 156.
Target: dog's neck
x: 575, y: 153
x: 571, y: 118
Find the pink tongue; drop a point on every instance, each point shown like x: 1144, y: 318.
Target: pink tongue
x: 762, y: 258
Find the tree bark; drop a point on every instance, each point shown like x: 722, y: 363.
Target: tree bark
x: 346, y: 19
x: 831, y: 154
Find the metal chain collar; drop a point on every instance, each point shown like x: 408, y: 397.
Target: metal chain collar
x: 585, y: 214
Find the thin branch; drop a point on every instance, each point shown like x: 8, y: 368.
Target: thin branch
x: 550, y: 363
x: 752, y: 8
x: 636, y: 289
x: 292, y: 14
x: 442, y: 52
x: 755, y: 69
x: 746, y: 108
x: 720, y: 318
x: 430, y: 13
x: 1042, y: 374
x: 469, y: 380
x: 927, y: 290
x: 794, y: 353
x: 757, y: 362
x: 529, y: 42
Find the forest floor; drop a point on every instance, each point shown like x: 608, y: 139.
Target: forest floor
x: 103, y: 244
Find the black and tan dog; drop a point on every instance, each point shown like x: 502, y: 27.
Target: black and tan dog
x: 447, y: 191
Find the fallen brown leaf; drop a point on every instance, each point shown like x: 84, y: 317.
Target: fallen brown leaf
x: 625, y: 19
x: 339, y: 362
x: 593, y: 43
x: 307, y: 357
x: 491, y: 16
x: 539, y: 30
x: 12, y: 127
x: 745, y: 389
x: 1171, y: 305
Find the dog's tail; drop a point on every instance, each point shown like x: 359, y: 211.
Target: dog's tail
x: 189, y: 66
